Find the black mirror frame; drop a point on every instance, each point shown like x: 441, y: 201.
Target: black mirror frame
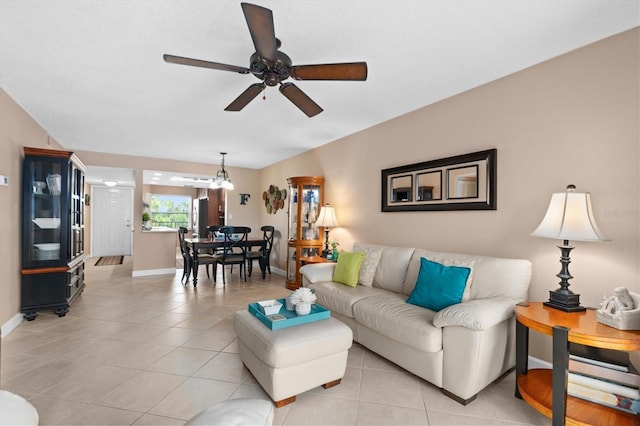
x: 490, y: 156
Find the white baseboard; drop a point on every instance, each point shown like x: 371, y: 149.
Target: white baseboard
x: 10, y: 325
x: 279, y: 271
x: 538, y: 363
x: 150, y: 272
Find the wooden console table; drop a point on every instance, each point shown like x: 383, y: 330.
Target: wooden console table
x: 544, y: 389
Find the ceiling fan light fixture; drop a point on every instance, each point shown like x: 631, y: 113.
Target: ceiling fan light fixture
x: 222, y: 178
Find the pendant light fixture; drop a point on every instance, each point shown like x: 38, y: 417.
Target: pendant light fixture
x: 222, y: 178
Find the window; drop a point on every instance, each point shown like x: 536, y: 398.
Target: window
x: 172, y: 211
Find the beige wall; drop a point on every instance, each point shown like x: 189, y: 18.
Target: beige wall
x: 573, y: 119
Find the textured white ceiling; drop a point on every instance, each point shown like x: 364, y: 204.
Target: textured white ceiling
x: 91, y: 72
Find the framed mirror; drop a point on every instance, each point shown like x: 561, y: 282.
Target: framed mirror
x: 462, y: 182
x: 402, y: 189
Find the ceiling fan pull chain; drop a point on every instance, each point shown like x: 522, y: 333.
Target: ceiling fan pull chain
x: 264, y: 93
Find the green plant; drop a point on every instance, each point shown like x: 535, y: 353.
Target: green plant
x: 146, y: 217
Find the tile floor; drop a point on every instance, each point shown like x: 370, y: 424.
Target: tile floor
x: 149, y: 351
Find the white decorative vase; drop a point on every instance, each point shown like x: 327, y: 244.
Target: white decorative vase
x: 289, y: 304
x: 303, y: 308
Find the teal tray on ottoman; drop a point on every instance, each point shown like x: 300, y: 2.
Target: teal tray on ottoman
x: 291, y: 319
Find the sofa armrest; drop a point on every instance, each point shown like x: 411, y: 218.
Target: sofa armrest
x: 318, y: 272
x: 478, y: 314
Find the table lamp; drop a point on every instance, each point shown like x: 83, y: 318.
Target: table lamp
x: 569, y: 217
x: 326, y: 219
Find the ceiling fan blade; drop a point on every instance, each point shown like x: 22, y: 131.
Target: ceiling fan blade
x: 245, y: 97
x: 204, y: 64
x: 300, y: 99
x: 260, y: 22
x: 344, y: 71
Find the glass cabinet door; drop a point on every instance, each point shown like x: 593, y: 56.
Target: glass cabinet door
x: 293, y: 212
x: 309, y: 210
x: 45, y: 217
x: 76, y: 245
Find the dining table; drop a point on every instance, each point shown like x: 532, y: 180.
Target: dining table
x: 197, y: 244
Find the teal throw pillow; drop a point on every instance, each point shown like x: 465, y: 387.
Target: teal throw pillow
x: 348, y: 268
x: 438, y: 286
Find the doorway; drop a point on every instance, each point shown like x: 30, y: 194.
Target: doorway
x: 111, y: 221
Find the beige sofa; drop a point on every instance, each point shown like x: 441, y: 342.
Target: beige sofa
x: 461, y: 348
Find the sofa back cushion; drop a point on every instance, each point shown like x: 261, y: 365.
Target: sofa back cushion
x: 392, y: 267
x: 491, y: 276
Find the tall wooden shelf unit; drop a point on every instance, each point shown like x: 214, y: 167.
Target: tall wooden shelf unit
x: 545, y: 389
x: 53, y: 241
x: 306, y: 196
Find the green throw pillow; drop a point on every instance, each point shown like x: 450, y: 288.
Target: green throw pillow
x: 438, y: 286
x: 348, y: 268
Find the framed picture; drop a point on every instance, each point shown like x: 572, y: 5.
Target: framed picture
x: 462, y: 182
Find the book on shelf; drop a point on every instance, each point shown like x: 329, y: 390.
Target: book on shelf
x: 605, y: 398
x: 604, y: 371
x: 603, y: 385
x: 599, y: 363
x: 618, y: 360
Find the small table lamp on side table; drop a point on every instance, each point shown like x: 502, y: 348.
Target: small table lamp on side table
x: 569, y: 217
x: 326, y: 219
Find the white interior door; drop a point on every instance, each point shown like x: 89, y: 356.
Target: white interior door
x: 111, y: 221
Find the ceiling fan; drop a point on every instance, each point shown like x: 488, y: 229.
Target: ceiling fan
x: 272, y: 66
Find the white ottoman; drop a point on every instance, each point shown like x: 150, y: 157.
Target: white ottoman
x: 293, y: 360
x: 15, y: 410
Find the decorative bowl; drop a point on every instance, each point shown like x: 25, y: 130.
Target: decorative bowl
x: 270, y: 307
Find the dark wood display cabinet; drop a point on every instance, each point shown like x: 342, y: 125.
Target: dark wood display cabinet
x: 53, y: 250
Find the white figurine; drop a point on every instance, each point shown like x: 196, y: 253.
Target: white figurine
x: 621, y: 311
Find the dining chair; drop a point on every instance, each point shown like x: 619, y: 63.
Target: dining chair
x: 205, y: 256
x: 186, y: 255
x: 264, y: 252
x: 212, y: 233
x: 235, y: 250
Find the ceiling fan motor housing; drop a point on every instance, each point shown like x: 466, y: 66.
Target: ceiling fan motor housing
x: 271, y: 74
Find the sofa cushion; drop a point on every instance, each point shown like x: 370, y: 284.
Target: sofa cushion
x: 388, y: 314
x: 340, y: 298
x: 438, y: 286
x: 492, y: 276
x: 442, y: 258
x: 392, y: 267
x: 348, y: 268
x: 369, y: 264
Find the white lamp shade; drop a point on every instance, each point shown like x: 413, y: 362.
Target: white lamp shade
x: 327, y: 217
x: 569, y: 217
